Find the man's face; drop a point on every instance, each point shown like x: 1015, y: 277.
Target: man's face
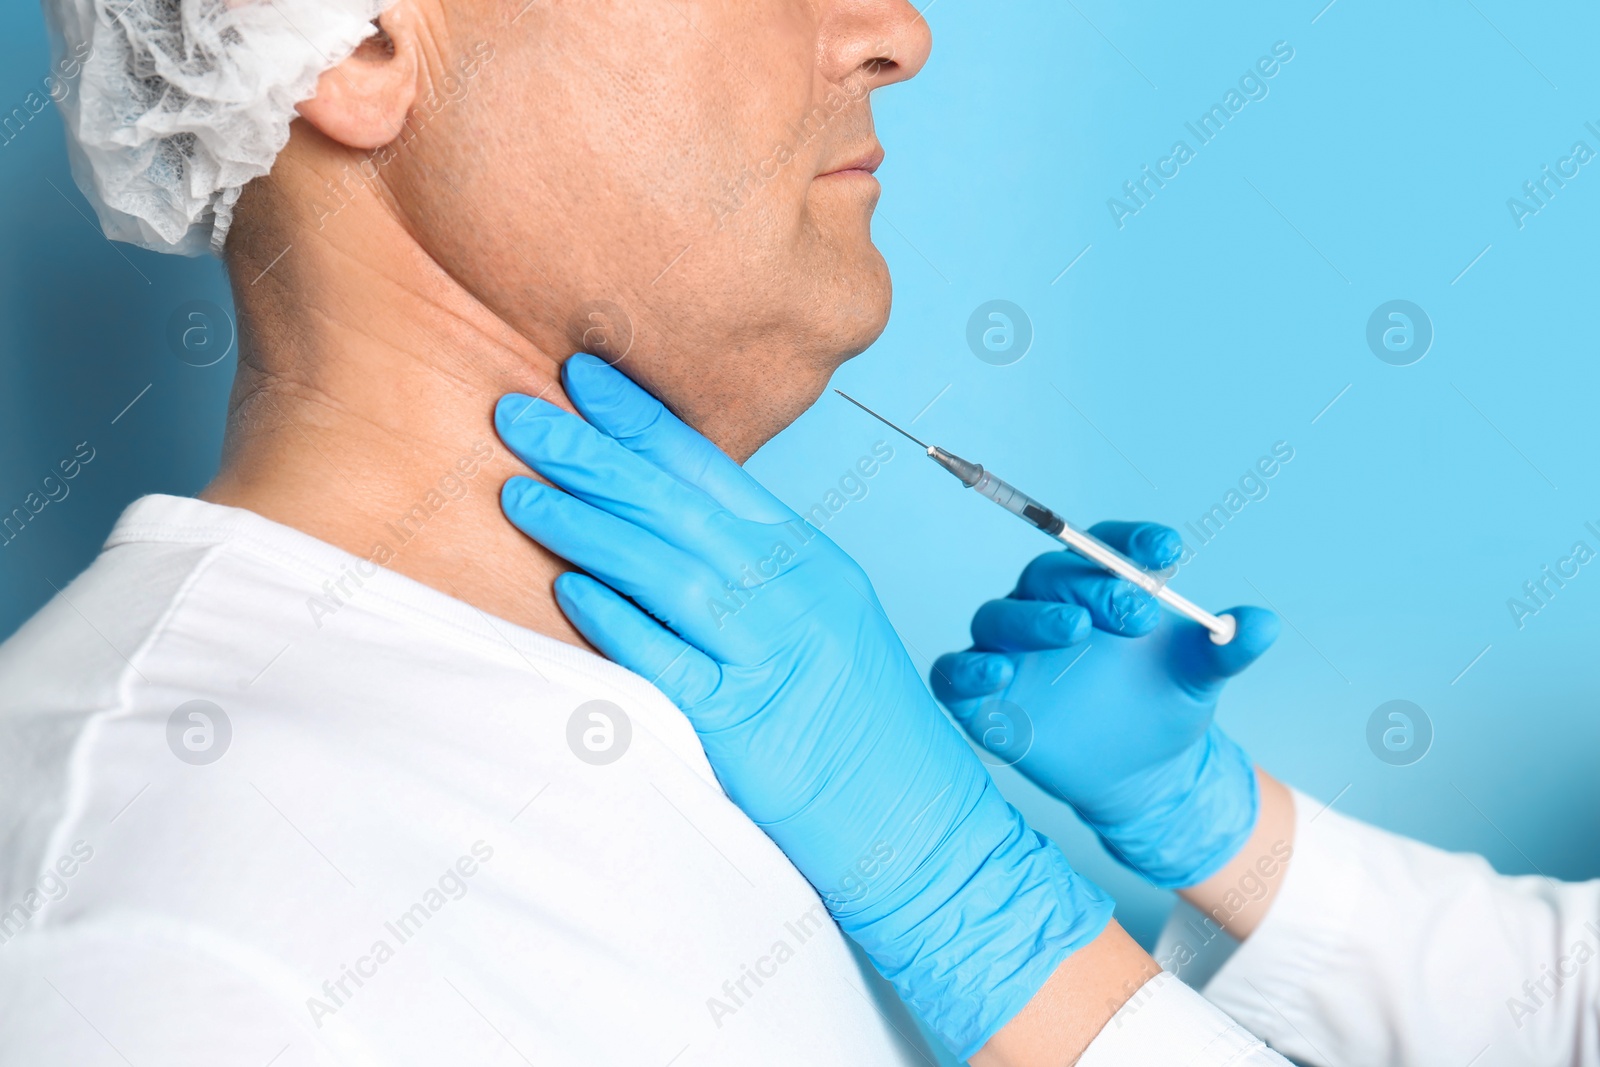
x: 681, y: 184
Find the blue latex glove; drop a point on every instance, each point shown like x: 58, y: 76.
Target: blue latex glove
x: 1120, y: 698
x: 772, y: 642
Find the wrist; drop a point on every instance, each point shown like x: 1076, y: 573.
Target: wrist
x: 1181, y: 822
x: 1239, y: 895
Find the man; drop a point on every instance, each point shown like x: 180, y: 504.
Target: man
x: 408, y: 846
x: 333, y: 779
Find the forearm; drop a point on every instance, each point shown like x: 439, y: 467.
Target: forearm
x: 1239, y: 896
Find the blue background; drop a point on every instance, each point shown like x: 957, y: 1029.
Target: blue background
x: 1222, y: 318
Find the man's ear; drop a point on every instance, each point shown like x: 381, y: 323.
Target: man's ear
x: 362, y: 103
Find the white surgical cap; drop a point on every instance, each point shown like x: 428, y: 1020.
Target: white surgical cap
x: 182, y: 102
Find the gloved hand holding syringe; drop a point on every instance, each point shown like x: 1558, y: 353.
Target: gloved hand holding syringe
x: 1014, y: 500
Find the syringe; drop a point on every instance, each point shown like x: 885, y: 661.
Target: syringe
x: 1085, y: 544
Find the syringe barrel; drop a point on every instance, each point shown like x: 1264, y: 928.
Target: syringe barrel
x: 1082, y: 542
x: 1019, y: 503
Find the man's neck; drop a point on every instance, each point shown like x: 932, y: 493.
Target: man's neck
x: 363, y: 415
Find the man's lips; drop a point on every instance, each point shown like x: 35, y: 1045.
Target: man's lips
x: 866, y: 163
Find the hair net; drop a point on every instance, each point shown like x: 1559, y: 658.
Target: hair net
x: 182, y: 102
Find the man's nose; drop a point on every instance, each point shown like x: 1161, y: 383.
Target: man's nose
x: 879, y: 41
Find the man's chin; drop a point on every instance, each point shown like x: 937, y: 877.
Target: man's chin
x: 864, y: 308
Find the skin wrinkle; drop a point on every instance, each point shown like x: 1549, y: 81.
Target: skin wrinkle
x: 448, y: 363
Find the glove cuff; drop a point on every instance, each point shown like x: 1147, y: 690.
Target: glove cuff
x: 972, y: 949
x: 1183, y: 836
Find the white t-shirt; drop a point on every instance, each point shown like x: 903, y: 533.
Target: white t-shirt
x: 264, y: 802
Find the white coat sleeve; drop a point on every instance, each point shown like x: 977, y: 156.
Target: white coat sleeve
x: 1167, y: 1023
x: 1382, y: 950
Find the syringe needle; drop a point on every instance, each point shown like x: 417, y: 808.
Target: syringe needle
x: 881, y: 419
